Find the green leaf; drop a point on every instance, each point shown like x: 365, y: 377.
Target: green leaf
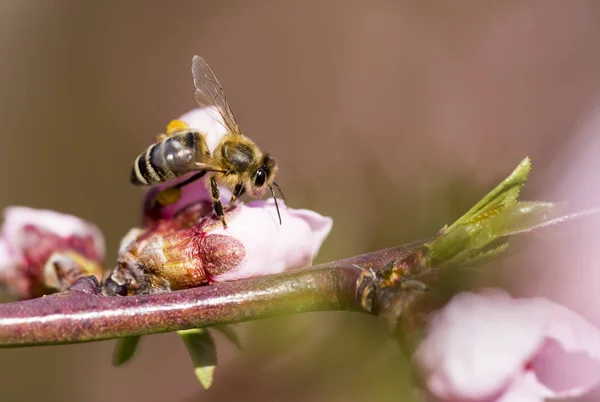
x: 203, y: 352
x: 506, y: 193
x: 125, y: 349
x: 482, y: 232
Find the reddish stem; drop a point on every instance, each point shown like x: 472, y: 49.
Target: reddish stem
x: 82, y: 314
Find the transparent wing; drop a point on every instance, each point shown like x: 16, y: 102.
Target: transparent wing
x: 210, y: 93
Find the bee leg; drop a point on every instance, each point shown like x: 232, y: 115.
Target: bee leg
x: 237, y: 192
x: 216, y: 197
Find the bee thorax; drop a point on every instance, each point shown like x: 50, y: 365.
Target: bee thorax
x: 239, y: 155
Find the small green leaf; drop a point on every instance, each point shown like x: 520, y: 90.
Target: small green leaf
x: 506, y: 193
x: 125, y: 349
x: 203, y: 352
x: 482, y: 232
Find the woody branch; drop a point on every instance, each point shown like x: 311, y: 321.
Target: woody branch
x: 82, y: 314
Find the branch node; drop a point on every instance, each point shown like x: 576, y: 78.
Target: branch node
x: 87, y: 284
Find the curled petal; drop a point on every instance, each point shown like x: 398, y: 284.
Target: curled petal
x: 492, y: 347
x: 63, y: 268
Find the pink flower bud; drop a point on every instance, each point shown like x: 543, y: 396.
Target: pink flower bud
x: 45, y: 251
x: 491, y: 347
x: 193, y: 248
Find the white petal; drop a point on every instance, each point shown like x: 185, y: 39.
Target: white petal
x: 271, y: 247
x: 9, y: 259
x: 205, y: 120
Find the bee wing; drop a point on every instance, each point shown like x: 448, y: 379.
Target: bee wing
x: 210, y: 93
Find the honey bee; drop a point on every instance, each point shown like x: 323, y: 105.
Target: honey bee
x: 236, y: 163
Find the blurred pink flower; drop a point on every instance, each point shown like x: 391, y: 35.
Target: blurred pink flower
x: 491, y: 347
x: 11, y: 278
x: 565, y: 266
x: 31, y: 238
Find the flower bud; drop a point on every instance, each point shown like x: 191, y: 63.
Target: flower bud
x: 192, y: 248
x: 44, y: 251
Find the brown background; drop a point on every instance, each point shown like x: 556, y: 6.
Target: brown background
x: 390, y: 116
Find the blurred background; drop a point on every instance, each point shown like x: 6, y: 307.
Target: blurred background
x: 392, y: 117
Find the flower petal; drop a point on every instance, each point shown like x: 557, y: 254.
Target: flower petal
x: 18, y: 219
x: 488, y: 346
x: 8, y: 256
x: 11, y: 277
x: 570, y: 342
x: 206, y: 120
x: 271, y: 247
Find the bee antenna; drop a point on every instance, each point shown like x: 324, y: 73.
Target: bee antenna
x: 280, y: 192
x: 276, y: 205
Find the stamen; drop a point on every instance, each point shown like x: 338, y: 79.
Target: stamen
x: 276, y: 205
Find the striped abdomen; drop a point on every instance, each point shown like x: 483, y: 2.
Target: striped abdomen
x: 171, y: 158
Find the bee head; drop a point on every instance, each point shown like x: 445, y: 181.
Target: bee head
x: 263, y: 177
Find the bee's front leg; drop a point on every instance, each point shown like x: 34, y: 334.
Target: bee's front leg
x: 237, y: 192
x: 216, y: 197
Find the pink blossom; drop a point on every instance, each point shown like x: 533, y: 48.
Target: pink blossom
x: 491, y: 347
x: 183, y: 245
x: 41, y: 249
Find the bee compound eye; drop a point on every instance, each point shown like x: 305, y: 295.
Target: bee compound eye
x: 261, y: 177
